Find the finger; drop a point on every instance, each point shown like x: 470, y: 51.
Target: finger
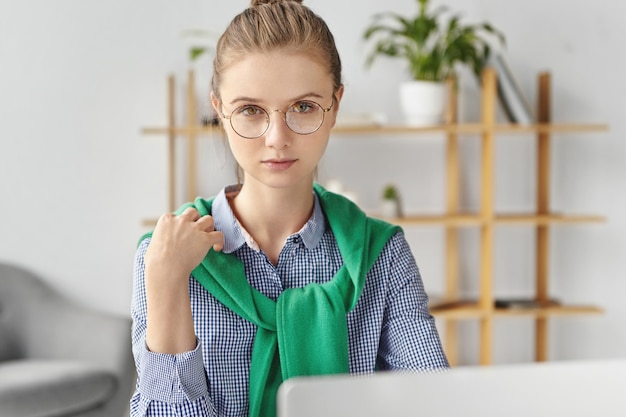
x: 206, y: 223
x: 191, y: 214
x: 217, y: 238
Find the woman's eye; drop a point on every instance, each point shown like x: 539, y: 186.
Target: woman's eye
x: 302, y: 107
x: 250, y: 111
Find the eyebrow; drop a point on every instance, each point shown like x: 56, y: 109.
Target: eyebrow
x: 256, y: 100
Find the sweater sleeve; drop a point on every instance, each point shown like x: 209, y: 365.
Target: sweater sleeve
x: 167, y: 385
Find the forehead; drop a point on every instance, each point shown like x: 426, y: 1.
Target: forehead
x: 275, y: 76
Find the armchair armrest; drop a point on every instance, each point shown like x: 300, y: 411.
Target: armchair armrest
x: 58, y: 328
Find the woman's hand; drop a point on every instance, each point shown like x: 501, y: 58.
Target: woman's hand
x: 178, y: 245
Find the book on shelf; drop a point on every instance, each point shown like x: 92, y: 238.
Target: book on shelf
x: 524, y: 303
x: 443, y: 303
x: 514, y: 104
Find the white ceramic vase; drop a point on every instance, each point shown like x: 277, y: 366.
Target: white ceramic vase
x: 423, y: 102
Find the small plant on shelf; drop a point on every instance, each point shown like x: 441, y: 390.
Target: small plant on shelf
x: 390, y: 204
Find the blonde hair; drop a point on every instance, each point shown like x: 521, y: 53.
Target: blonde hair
x: 270, y: 25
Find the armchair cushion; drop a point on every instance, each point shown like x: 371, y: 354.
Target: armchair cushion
x: 60, y: 387
x: 57, y: 357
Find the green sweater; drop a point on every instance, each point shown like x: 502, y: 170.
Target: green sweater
x: 305, y: 331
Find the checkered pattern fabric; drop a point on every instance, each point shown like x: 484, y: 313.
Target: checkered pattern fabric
x: 389, y: 329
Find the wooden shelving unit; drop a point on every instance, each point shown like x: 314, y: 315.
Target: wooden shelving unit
x: 454, y: 308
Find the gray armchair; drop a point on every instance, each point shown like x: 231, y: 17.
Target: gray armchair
x: 58, y: 358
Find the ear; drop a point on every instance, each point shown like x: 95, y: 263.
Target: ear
x: 338, y: 96
x: 215, y: 102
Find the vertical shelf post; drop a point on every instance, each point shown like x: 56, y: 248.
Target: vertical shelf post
x: 452, y: 208
x: 171, y: 143
x: 486, y: 301
x: 543, y: 207
x: 192, y: 122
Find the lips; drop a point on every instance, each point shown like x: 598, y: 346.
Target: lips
x: 278, y: 164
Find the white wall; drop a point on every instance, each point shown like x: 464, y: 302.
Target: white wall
x: 79, y: 79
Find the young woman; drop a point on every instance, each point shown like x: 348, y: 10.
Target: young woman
x: 274, y: 277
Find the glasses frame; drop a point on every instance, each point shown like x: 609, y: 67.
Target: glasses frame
x: 267, y: 117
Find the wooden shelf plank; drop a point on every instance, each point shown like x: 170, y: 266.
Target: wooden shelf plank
x: 471, y: 310
x: 462, y: 128
x: 545, y: 219
x: 182, y: 130
x: 458, y: 310
x: 465, y: 128
x: 435, y: 220
x: 470, y: 219
x: 560, y: 310
x: 149, y: 222
x: 466, y: 220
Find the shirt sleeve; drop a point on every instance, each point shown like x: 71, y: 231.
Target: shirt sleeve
x: 167, y: 385
x: 409, y: 337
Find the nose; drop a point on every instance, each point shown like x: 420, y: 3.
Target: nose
x: 278, y: 135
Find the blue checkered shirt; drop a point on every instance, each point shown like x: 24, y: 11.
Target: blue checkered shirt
x: 389, y: 329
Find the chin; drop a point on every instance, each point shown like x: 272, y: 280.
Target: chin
x: 278, y: 182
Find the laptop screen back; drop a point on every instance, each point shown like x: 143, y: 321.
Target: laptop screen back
x: 552, y: 389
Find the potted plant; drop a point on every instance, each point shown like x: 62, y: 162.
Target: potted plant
x: 200, y: 42
x: 390, y: 204
x: 200, y: 45
x: 433, y: 48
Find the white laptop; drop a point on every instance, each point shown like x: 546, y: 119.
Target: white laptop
x: 551, y: 389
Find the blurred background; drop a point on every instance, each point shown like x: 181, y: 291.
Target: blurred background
x: 79, y: 80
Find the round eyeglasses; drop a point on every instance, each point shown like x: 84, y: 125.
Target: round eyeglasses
x: 303, y: 117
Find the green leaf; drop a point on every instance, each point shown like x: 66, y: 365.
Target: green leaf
x: 196, y: 51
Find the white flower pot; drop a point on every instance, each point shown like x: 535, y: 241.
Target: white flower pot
x: 389, y: 209
x: 423, y: 102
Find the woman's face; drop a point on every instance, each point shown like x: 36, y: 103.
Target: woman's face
x: 279, y: 158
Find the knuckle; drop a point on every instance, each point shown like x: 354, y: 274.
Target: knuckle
x: 189, y: 211
x: 207, y: 221
x: 164, y: 218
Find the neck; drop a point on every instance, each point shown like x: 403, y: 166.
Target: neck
x: 271, y: 215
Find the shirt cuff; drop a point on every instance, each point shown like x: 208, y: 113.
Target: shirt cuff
x: 173, y: 378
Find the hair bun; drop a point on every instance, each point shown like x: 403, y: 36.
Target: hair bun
x: 254, y: 3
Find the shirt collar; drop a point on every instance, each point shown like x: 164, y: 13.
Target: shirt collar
x: 235, y: 236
